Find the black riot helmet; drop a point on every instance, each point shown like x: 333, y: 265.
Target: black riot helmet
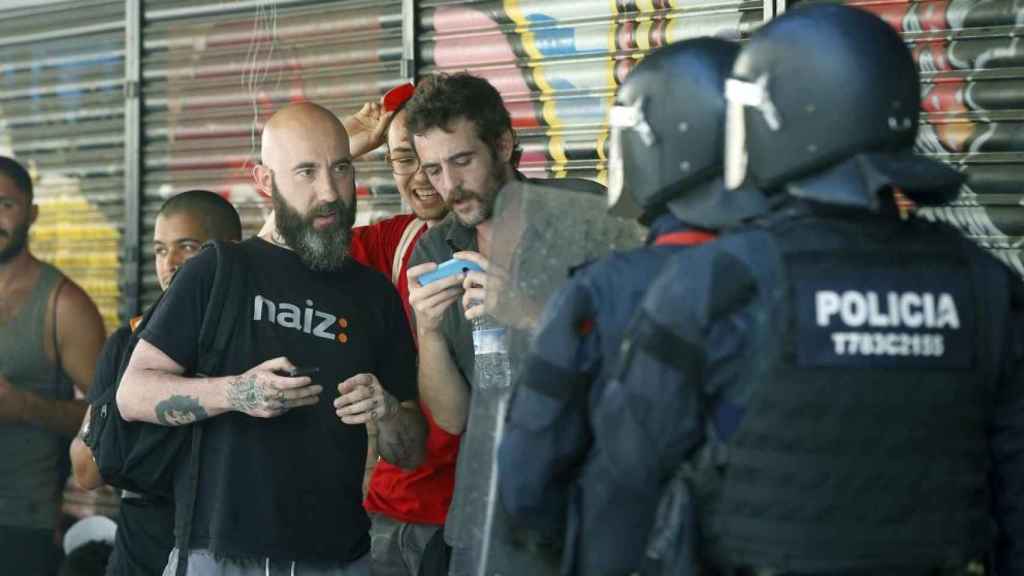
x: 667, y: 138
x: 828, y: 94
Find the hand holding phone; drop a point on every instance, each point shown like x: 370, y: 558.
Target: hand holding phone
x: 449, y: 268
x: 299, y: 372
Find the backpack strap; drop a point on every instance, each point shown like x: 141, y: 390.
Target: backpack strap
x: 223, y: 307
x: 223, y: 310
x: 412, y: 230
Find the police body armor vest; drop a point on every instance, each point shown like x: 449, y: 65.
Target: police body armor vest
x: 863, y: 445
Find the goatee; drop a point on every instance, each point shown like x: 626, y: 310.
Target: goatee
x: 320, y: 250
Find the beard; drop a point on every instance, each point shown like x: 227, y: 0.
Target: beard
x: 320, y: 250
x: 485, y: 199
x: 18, y: 241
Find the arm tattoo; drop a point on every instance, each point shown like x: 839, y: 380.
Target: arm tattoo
x: 398, y: 445
x: 390, y: 408
x: 180, y: 410
x: 246, y: 394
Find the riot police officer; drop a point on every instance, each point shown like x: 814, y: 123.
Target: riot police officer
x: 834, y: 390
x: 665, y: 168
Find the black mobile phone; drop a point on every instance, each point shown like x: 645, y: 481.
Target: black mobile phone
x: 298, y: 372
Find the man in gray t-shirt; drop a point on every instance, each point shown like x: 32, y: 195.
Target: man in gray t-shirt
x: 463, y: 136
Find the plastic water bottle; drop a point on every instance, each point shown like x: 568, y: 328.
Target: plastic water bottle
x: 490, y: 351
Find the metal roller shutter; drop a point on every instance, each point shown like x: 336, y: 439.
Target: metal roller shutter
x: 212, y: 73
x: 62, y: 115
x: 971, y: 56
x: 557, y: 63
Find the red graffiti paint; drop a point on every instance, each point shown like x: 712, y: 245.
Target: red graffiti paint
x: 944, y: 97
x: 625, y: 36
x: 910, y: 16
x: 523, y: 114
x: 489, y: 45
x: 931, y: 16
x: 623, y: 68
x: 892, y: 13
x: 932, y: 56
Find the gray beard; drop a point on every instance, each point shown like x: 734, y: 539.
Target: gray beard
x: 319, y: 250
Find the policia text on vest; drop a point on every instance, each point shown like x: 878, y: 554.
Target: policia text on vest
x: 881, y: 313
x: 890, y: 310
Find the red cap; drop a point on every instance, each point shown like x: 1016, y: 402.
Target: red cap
x: 398, y: 95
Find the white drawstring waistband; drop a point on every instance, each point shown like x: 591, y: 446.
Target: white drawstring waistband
x: 268, y: 567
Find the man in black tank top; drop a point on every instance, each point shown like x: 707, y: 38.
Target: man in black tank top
x: 50, y: 335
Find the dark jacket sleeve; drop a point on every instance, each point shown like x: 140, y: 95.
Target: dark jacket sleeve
x: 546, y: 435
x: 649, y: 414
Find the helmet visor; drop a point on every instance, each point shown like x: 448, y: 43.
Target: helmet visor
x: 620, y: 202
x: 735, y: 169
x: 739, y: 95
x: 615, y: 177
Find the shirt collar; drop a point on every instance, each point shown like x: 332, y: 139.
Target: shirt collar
x: 665, y: 223
x: 459, y: 237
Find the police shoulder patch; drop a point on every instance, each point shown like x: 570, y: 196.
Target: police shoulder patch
x: 872, y: 311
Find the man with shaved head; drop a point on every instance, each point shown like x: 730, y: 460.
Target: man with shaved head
x: 406, y: 506
x: 282, y: 456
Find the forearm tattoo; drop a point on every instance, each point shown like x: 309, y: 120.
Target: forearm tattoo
x: 246, y: 394
x: 400, y: 443
x: 179, y: 411
x: 386, y: 409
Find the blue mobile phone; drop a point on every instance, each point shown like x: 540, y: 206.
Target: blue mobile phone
x: 449, y: 268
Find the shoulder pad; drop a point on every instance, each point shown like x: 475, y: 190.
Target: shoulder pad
x: 732, y: 285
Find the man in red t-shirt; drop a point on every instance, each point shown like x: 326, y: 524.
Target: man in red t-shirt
x: 406, y: 506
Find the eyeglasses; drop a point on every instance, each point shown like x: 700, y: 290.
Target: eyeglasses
x: 404, y: 164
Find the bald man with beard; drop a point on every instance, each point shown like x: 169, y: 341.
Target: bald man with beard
x: 281, y: 464
x: 406, y: 506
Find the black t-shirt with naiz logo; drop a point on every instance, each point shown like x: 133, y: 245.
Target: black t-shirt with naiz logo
x: 288, y: 487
